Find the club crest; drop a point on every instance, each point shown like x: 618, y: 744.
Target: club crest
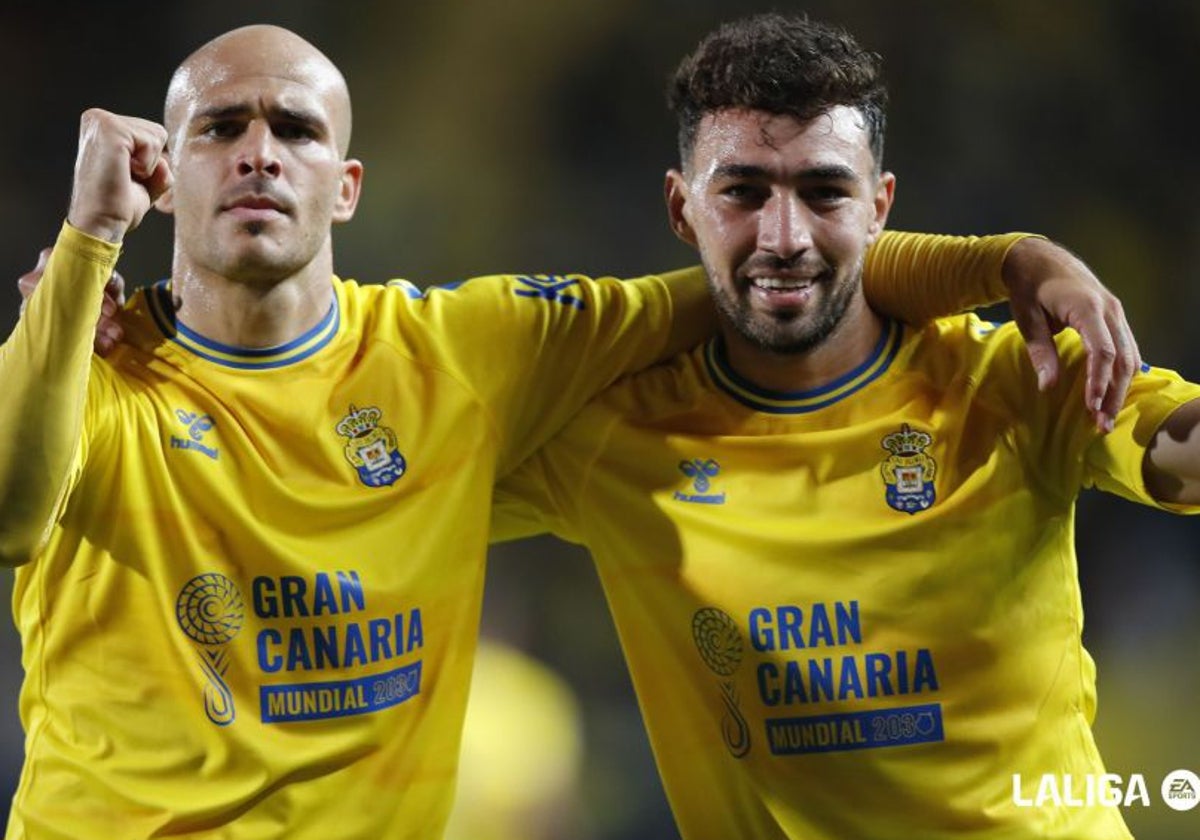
x: 371, y: 448
x: 908, y: 472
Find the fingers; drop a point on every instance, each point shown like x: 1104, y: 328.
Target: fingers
x: 115, y: 288
x: 108, y: 327
x: 1039, y: 344
x: 1101, y: 363
x: 1051, y: 287
x: 1113, y: 358
x: 119, y: 171
x: 28, y: 281
x: 1127, y: 360
x: 151, y: 168
x: 107, y: 337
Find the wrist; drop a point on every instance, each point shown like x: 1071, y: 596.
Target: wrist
x: 1031, y: 255
x: 98, y: 226
x: 87, y: 245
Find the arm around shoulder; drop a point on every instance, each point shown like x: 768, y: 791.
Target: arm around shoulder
x: 693, y: 315
x: 919, y: 276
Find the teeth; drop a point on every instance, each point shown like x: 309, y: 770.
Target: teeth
x: 777, y: 283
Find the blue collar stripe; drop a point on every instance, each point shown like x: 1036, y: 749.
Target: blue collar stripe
x: 241, y: 358
x: 801, y: 402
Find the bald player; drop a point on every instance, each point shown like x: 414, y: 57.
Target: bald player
x: 250, y: 542
x: 248, y: 606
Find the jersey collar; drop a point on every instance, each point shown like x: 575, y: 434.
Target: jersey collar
x: 802, y: 402
x: 243, y: 358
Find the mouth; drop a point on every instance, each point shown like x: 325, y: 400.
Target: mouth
x: 783, y: 292
x: 784, y: 285
x: 255, y: 208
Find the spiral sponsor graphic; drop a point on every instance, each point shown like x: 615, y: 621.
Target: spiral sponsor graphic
x: 719, y: 643
x: 210, y: 611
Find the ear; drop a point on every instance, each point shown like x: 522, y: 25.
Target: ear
x: 350, y: 188
x: 678, y: 210
x: 885, y: 194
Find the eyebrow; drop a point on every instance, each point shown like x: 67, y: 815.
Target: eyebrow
x: 225, y: 112
x: 828, y: 172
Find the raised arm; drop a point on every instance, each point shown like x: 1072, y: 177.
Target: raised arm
x: 44, y: 364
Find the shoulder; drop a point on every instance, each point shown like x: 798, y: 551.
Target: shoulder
x: 669, y: 391
x: 967, y: 346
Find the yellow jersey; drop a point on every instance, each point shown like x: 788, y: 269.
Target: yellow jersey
x: 252, y: 610
x: 256, y: 612
x: 853, y: 612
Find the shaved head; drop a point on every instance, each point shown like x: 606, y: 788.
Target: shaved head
x: 266, y: 51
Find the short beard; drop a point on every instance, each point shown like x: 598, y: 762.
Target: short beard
x: 781, y: 336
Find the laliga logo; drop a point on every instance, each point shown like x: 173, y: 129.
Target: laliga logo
x: 1180, y: 791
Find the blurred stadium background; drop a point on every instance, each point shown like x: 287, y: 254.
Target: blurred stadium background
x: 531, y: 136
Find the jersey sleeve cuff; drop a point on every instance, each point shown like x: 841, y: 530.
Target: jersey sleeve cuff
x: 88, y: 247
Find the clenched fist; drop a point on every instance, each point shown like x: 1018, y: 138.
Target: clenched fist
x: 120, y: 172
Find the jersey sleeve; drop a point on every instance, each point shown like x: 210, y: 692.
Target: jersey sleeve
x: 544, y: 493
x: 45, y: 366
x: 535, y: 349
x: 916, y: 277
x: 1063, y: 449
x: 523, y: 505
x: 1114, y: 462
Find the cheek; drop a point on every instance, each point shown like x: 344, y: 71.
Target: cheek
x: 726, y: 233
x: 849, y: 230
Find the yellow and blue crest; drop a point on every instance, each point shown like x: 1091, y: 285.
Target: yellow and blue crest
x: 909, y: 471
x: 370, y: 447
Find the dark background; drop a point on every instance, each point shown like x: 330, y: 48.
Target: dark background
x: 531, y: 136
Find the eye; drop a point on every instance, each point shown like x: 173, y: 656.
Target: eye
x: 743, y: 193
x: 222, y: 129
x: 825, y: 194
x: 294, y: 131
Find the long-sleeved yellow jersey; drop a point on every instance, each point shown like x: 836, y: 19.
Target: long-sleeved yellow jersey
x: 853, y: 612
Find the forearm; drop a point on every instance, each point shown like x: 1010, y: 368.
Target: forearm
x: 1171, y: 467
x: 44, y: 368
x: 918, y: 276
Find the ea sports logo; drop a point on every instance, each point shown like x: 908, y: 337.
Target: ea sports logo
x: 1181, y: 790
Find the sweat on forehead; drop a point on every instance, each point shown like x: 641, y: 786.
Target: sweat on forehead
x: 259, y: 51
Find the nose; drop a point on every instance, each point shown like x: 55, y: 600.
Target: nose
x: 257, y: 151
x: 784, y: 226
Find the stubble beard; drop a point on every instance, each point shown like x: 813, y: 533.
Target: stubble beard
x: 788, y: 333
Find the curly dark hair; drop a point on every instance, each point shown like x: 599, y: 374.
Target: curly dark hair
x: 782, y: 65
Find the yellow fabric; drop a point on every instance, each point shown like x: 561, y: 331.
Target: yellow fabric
x: 852, y: 613
x: 256, y: 614
x: 920, y: 276
x: 43, y: 367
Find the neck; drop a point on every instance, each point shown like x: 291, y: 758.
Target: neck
x: 844, y: 349
x: 252, y: 314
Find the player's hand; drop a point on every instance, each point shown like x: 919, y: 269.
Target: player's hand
x: 108, y: 328
x: 1050, y: 289
x: 120, y: 171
